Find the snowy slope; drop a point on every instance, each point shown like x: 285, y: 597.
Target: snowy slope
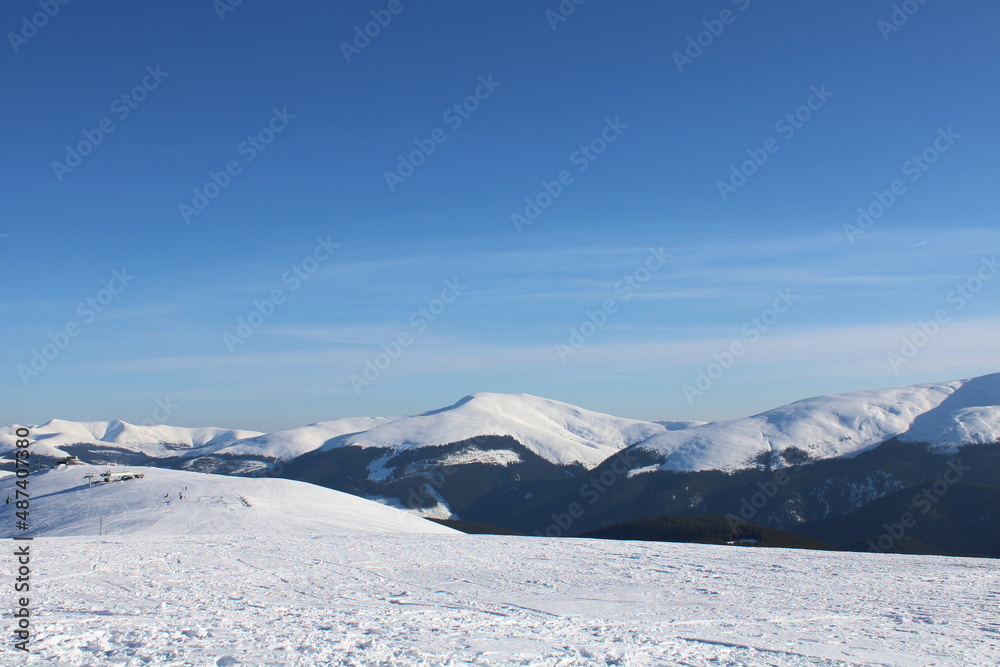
x: 292, y: 442
x: 64, y: 504
x: 970, y: 414
x: 157, y: 441
x: 680, y: 426
x: 951, y: 413
x: 422, y: 600
x: 562, y: 433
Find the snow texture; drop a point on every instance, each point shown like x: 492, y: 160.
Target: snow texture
x: 364, y: 598
x: 274, y: 572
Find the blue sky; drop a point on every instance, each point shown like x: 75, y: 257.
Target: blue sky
x: 598, y: 102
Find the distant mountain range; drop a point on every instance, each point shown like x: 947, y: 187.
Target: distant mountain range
x: 536, y: 465
x: 560, y: 433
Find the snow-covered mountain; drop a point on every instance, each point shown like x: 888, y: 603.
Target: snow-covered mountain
x: 558, y: 432
x: 174, y: 502
x: 520, y: 461
x: 947, y: 413
x: 159, y: 441
x: 289, y: 443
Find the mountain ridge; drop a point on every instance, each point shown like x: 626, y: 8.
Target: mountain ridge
x: 948, y: 414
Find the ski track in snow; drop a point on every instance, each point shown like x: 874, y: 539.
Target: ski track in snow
x: 449, y: 599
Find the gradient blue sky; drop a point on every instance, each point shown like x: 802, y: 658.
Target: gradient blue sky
x: 656, y: 185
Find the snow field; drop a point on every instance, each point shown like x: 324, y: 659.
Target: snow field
x: 282, y: 598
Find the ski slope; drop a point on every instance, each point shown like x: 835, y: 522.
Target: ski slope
x: 172, y: 502
x: 948, y: 414
x: 288, y: 598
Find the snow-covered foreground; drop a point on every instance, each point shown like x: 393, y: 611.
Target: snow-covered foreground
x: 182, y: 568
x: 448, y: 599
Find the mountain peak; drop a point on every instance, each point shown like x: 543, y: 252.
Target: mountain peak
x: 559, y: 432
x: 947, y: 413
